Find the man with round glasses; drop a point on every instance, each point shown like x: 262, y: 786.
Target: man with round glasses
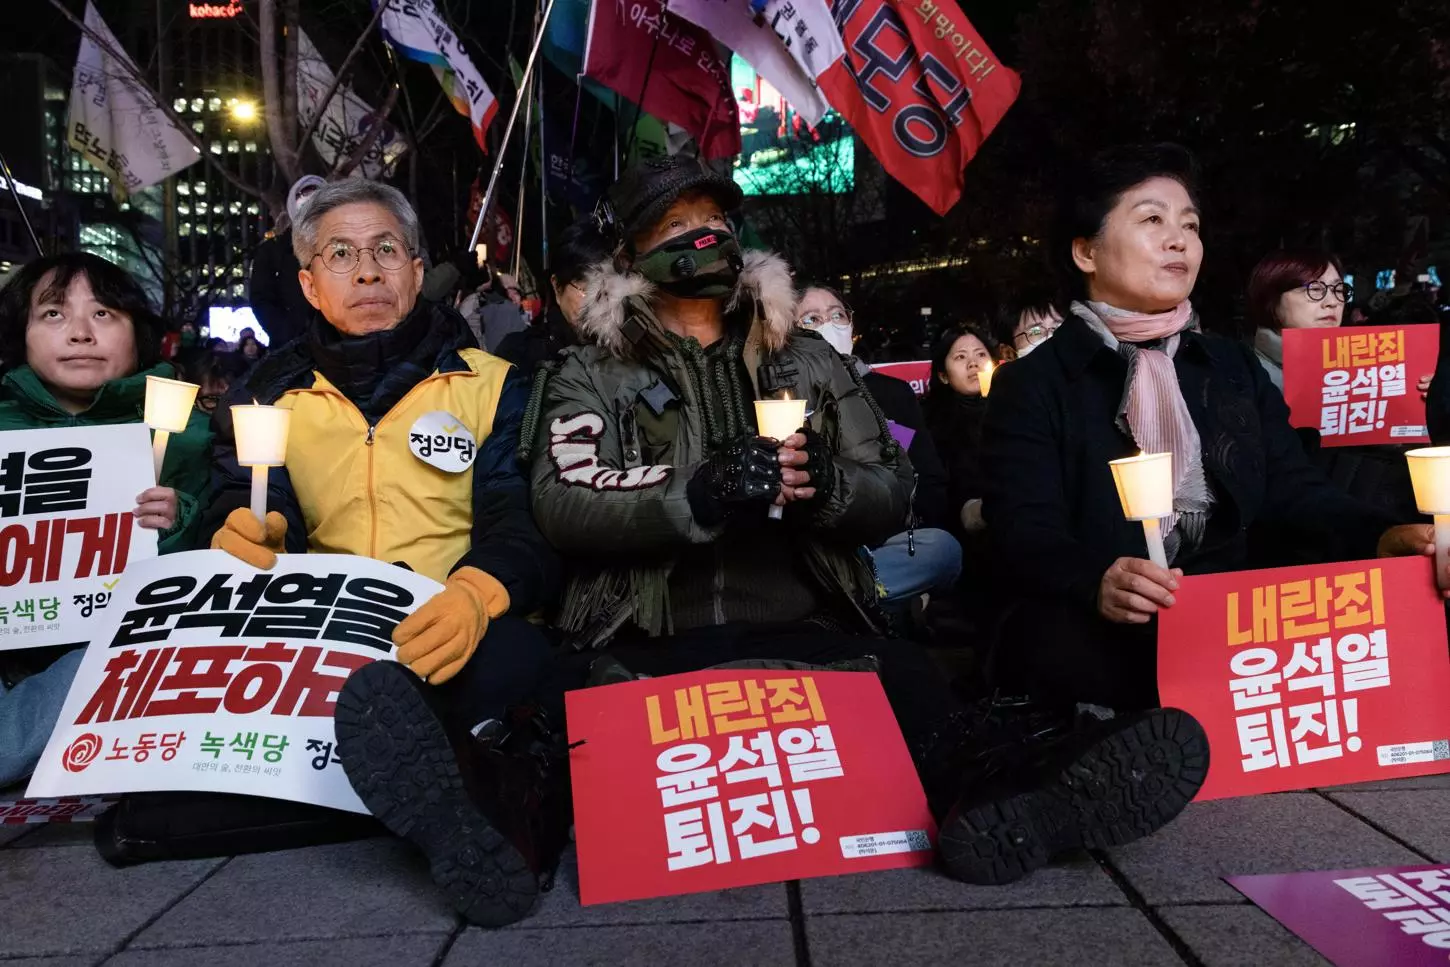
x: 402, y: 448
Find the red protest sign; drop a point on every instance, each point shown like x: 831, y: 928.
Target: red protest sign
x: 718, y: 779
x: 1311, y: 676
x: 917, y: 373
x: 1357, y: 386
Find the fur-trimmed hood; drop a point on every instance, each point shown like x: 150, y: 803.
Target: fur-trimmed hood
x: 765, y: 289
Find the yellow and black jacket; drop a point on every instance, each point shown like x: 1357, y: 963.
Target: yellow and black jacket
x: 356, y: 480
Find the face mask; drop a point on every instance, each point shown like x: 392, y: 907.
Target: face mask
x: 703, y: 264
x: 1030, y: 346
x: 838, y: 334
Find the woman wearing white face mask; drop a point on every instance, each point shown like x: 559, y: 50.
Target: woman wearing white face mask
x: 937, y: 558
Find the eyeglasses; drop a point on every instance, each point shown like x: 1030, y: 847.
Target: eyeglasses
x: 1317, y: 290
x: 815, y: 320
x: 1038, y: 331
x: 341, y: 258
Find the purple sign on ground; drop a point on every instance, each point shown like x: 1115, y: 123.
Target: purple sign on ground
x: 1361, y: 918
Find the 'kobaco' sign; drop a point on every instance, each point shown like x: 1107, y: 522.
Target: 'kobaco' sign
x: 209, y: 675
x: 66, y: 531
x: 718, y: 779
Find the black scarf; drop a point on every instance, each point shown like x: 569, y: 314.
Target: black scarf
x: 377, y: 370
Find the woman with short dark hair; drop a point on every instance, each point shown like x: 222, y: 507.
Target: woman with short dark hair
x: 1131, y: 371
x: 578, y: 249
x: 78, y: 339
x: 1294, y: 290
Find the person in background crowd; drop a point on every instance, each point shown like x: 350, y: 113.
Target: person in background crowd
x: 81, y: 340
x: 1294, y: 290
x: 376, y: 361
x: 1024, y: 326
x: 274, y: 293
x: 1306, y: 290
x: 249, y: 348
x: 651, y: 477
x: 578, y: 249
x: 915, y: 561
x: 1128, y: 372
x: 955, y: 407
x: 494, y: 310
x: 215, y: 375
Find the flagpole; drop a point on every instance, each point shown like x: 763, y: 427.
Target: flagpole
x: 543, y: 187
x: 526, y: 92
x: 19, y: 206
x: 508, y: 131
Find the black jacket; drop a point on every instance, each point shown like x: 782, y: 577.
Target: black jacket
x: 956, y: 427
x: 899, y: 403
x: 540, y: 343
x: 274, y: 292
x: 1053, y: 512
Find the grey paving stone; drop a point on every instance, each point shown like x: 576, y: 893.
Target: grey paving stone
x: 68, y: 901
x: 9, y: 834
x: 1183, y: 862
x: 1416, y: 816
x: 417, y: 950
x: 560, y: 906
x: 1077, y: 884
x: 370, y: 888
x: 89, y: 960
x: 1415, y: 782
x: 59, y: 834
x: 1011, y: 938
x: 762, y: 944
x: 1242, y: 936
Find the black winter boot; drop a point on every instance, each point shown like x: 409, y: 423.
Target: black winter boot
x: 1064, y: 784
x: 490, y: 811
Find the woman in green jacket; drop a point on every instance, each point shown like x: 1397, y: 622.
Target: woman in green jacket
x: 77, y: 340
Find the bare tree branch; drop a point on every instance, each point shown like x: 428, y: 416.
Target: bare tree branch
x: 161, y: 102
x: 342, y: 71
x: 284, y: 150
x: 345, y: 165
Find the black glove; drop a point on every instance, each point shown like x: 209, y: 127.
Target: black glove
x: 820, y: 464
x: 744, y: 473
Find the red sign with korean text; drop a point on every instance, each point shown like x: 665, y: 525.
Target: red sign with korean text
x: 917, y: 373
x: 1311, y: 676
x: 1357, y: 386
x: 718, y: 779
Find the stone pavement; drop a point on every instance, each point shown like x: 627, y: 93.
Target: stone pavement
x: 370, y: 903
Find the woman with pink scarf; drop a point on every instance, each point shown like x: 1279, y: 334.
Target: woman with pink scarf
x: 1130, y: 370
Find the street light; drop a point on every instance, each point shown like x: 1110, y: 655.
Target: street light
x: 243, y: 111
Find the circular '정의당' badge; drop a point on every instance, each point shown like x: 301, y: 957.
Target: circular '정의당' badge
x: 441, y: 440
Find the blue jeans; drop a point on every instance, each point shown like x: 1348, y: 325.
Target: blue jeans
x: 28, y: 713
x: 936, y: 565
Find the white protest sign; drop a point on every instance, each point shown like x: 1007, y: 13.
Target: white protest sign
x: 212, y: 676
x: 67, y: 530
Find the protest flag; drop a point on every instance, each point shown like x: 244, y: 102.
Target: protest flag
x: 115, y: 122
x: 418, y: 31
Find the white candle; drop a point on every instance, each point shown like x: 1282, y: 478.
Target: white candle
x: 261, y: 433
x: 1430, y: 476
x: 778, y: 419
x: 984, y: 379
x: 1145, y: 488
x: 167, y: 411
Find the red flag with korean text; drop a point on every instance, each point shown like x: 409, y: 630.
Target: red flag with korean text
x: 1311, y: 676
x: 668, y: 66
x: 1357, y: 386
x: 920, y: 87
x: 719, y: 779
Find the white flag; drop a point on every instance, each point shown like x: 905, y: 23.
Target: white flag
x: 419, y: 32
x: 346, y: 120
x: 115, y: 121
x: 790, y: 43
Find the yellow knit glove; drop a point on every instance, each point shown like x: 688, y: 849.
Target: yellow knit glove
x: 437, y: 640
x: 245, y: 538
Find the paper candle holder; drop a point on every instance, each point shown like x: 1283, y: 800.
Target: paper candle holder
x: 778, y: 419
x: 1430, y: 476
x: 261, y: 433
x: 1145, y: 488
x: 167, y: 411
